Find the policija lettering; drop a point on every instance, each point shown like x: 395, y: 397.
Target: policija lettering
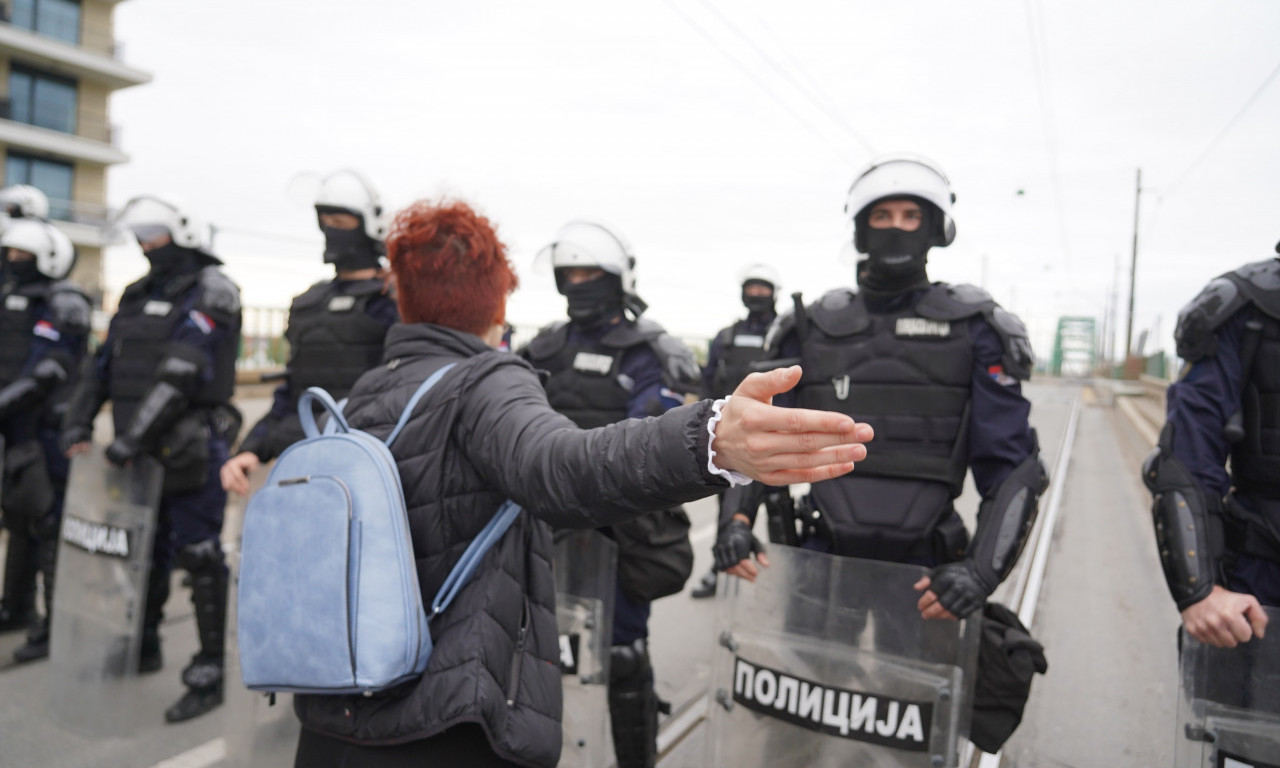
x: 96, y: 538
x: 849, y: 714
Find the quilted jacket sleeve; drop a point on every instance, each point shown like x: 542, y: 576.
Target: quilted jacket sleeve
x: 571, y: 477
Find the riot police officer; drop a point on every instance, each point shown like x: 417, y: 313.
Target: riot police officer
x: 168, y: 367
x: 336, y: 328
x: 936, y: 369
x: 607, y: 364
x: 734, y: 349
x: 44, y: 330
x: 1218, y: 532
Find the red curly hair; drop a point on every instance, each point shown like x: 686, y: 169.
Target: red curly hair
x: 450, y: 267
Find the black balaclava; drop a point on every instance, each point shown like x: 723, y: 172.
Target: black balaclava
x: 758, y: 306
x: 349, y: 249
x: 172, y: 260
x: 896, y: 258
x: 20, y: 272
x: 595, y: 302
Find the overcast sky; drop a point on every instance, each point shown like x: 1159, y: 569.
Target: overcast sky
x: 714, y: 134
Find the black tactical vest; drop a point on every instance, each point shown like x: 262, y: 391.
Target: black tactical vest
x: 740, y: 347
x: 17, y: 321
x: 584, y: 383
x: 332, y: 339
x: 1255, y: 460
x: 141, y: 332
x: 905, y: 374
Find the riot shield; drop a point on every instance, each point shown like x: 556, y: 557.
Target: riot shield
x: 825, y: 661
x: 1229, y: 703
x: 260, y: 731
x: 104, y: 557
x: 586, y: 569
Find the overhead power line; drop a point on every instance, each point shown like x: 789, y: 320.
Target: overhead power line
x: 746, y: 71
x: 1223, y: 133
x: 801, y: 88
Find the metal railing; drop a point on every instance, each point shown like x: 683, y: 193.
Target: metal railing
x: 97, y: 38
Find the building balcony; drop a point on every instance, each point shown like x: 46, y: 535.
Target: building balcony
x: 85, y: 223
x: 94, y: 142
x: 96, y: 59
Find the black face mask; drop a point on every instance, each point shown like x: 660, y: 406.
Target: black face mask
x: 757, y: 305
x: 595, y: 301
x: 22, y: 272
x: 171, y: 260
x: 350, y: 249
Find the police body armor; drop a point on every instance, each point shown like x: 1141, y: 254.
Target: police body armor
x: 740, y: 348
x: 143, y: 328
x: 1254, y: 528
x: 908, y: 373
x: 332, y: 339
x: 70, y: 309
x: 586, y: 383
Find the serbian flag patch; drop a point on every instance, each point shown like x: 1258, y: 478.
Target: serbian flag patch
x: 45, y: 330
x: 202, y: 321
x: 997, y: 373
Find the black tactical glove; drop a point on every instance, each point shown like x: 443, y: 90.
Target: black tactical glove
x: 73, y: 436
x: 735, y: 543
x: 959, y: 587
x: 121, y: 451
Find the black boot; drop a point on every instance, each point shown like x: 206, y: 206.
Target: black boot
x: 633, y: 706
x: 203, y: 677
x: 37, y: 645
x: 17, y: 606
x: 706, y: 588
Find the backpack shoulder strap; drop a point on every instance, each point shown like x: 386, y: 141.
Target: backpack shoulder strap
x: 474, y: 553
x: 413, y: 401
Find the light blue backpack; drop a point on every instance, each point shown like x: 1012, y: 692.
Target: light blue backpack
x: 328, y: 598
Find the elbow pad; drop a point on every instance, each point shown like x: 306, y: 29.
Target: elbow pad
x: 180, y: 372
x: 1005, y: 520
x: 30, y: 390
x: 1186, y: 530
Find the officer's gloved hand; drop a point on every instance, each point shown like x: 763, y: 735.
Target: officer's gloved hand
x: 734, y: 544
x: 959, y: 587
x: 73, y: 436
x: 121, y: 451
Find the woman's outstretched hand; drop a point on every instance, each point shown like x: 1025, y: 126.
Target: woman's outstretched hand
x: 780, y: 446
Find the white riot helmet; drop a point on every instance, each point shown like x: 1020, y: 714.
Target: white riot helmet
x: 23, y: 201
x: 53, y: 251
x: 590, y: 244
x: 593, y: 245
x: 351, y: 192
x: 762, y: 273
x: 903, y: 176
x: 147, y: 216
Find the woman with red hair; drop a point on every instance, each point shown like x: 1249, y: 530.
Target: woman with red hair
x: 491, y: 693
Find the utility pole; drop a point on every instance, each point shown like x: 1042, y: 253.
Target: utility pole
x: 1133, y: 266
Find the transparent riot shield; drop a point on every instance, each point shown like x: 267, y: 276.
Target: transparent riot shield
x: 825, y: 662
x: 586, y: 569
x: 1229, y: 703
x: 104, y: 557
x: 260, y: 731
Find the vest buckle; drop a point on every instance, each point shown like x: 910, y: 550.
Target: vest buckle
x: 841, y: 383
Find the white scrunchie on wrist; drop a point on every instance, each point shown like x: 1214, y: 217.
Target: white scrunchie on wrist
x: 734, y: 478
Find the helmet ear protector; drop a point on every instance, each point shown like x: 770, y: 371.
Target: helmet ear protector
x: 903, y: 176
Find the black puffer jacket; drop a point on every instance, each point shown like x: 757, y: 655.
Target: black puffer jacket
x: 486, y: 433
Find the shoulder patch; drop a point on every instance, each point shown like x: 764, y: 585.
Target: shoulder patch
x: 71, y: 310
x: 1201, y: 318
x: 218, y: 293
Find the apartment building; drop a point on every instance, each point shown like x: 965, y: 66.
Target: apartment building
x: 59, y: 64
